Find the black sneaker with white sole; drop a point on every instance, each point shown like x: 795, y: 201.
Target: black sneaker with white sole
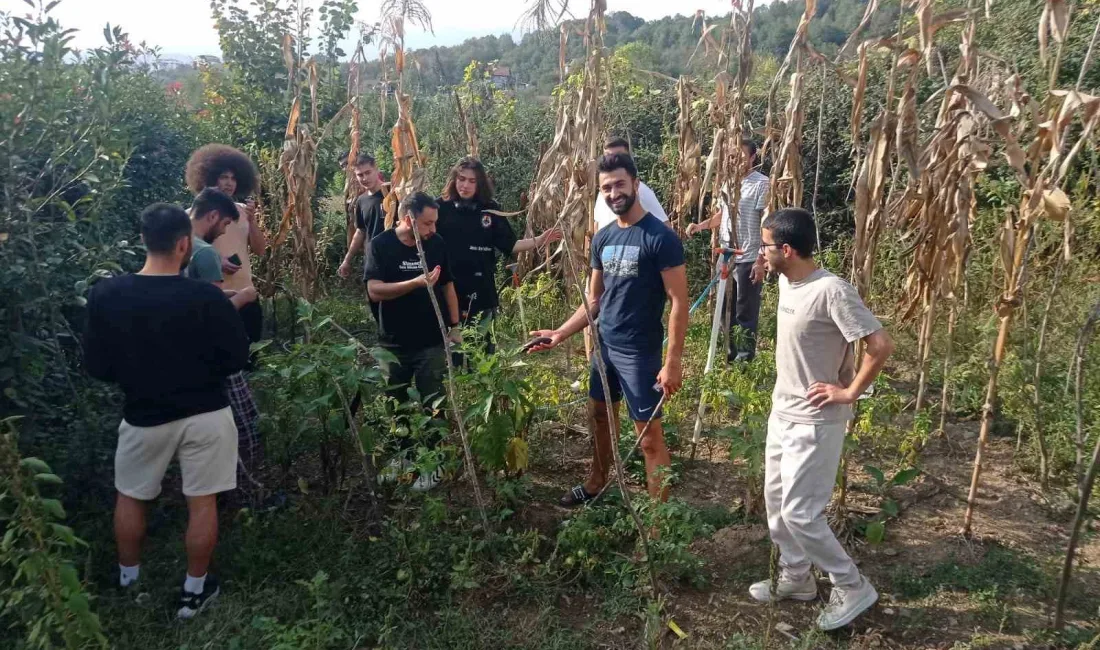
x: 193, y: 604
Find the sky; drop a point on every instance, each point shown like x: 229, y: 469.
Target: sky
x: 185, y: 26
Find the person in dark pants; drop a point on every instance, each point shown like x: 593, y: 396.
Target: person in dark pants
x: 474, y: 235
x: 407, y: 323
x: 748, y: 270
x: 637, y: 264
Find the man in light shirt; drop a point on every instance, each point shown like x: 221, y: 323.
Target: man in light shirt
x: 646, y: 197
x: 819, y: 318
x: 748, y: 273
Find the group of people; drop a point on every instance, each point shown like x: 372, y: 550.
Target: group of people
x: 175, y: 336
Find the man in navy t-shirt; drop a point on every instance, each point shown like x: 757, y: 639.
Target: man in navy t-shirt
x: 637, y: 262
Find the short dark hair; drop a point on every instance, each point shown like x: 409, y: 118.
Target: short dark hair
x: 794, y: 227
x: 485, y: 189
x: 611, y: 162
x: 616, y: 142
x: 750, y: 145
x: 162, y: 226
x: 416, y: 203
x: 366, y: 159
x: 212, y: 199
x: 211, y: 161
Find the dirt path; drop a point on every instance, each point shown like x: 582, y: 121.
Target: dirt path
x: 938, y: 590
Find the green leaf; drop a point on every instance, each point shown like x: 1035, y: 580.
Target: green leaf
x: 382, y: 355
x: 78, y: 603
x: 64, y: 533
x: 875, y: 473
x: 54, y: 507
x: 49, y: 479
x: 876, y: 532
x: 36, y: 465
x: 69, y: 579
x: 890, y: 508
x: 904, y: 476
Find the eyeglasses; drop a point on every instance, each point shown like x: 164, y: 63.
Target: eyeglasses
x: 764, y: 247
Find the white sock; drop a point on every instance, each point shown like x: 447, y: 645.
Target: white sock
x: 194, y: 585
x: 128, y: 574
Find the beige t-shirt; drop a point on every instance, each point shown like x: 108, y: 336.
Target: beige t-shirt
x: 235, y: 240
x: 819, y: 318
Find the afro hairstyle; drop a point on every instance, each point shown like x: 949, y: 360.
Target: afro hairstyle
x: 211, y: 161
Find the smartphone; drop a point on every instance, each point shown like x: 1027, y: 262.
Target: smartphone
x: 236, y: 259
x: 538, y: 340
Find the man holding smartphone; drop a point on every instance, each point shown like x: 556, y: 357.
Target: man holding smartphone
x: 232, y: 172
x: 222, y: 170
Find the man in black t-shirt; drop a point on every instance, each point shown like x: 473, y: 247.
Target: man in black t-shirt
x: 407, y: 323
x: 370, y: 218
x: 636, y: 263
x: 169, y: 342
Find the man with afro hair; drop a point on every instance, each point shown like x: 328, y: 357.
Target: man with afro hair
x: 233, y: 173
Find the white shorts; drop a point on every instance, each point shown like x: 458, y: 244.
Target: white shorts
x: 205, y: 444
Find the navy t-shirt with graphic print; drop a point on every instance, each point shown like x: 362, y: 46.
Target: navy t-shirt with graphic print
x: 633, y: 299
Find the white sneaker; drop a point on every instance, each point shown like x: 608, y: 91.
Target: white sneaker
x: 425, y: 482
x: 393, y: 470
x: 786, y: 588
x: 846, y: 604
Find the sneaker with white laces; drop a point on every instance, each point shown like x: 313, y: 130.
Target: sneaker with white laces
x: 846, y: 604
x: 804, y: 588
x: 191, y: 605
x: 398, y: 466
x: 425, y: 482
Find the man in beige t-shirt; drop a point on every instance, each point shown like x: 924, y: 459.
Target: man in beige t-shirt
x: 819, y: 317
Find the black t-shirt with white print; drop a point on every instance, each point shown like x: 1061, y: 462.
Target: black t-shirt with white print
x: 408, y: 322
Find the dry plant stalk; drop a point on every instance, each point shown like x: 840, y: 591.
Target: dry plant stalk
x: 725, y: 166
x: 786, y: 178
x: 938, y: 208
x: 1042, y: 196
x: 468, y: 127
x: 1086, y: 482
x: 570, y: 160
x: 351, y: 184
x: 688, y: 156
x: 298, y: 165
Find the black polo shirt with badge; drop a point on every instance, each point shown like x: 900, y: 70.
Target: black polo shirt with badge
x: 473, y: 238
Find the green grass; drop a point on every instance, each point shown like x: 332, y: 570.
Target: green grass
x: 999, y: 570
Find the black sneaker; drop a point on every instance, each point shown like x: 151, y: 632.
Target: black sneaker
x: 192, y: 604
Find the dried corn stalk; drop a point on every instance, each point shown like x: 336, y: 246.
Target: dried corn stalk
x: 725, y: 165
x: 786, y: 178
x: 936, y: 212
x: 408, y: 164
x: 468, y: 127
x: 351, y: 184
x: 298, y: 166
x: 569, y: 162
x: 689, y: 157
x: 1042, y: 196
